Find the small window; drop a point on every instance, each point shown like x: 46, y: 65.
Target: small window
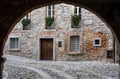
x: 26, y: 22
x: 109, y: 54
x: 14, y: 43
x: 50, y: 17
x: 77, y: 10
x: 50, y: 11
x: 74, y: 43
x: 27, y: 16
x: 97, y: 42
x: 76, y: 17
x: 60, y: 44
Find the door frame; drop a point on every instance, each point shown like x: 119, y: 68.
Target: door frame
x: 39, y: 54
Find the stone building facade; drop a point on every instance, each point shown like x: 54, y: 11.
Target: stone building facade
x: 90, y: 41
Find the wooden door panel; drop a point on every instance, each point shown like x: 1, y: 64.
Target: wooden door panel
x: 43, y: 50
x: 46, y: 49
x: 50, y: 50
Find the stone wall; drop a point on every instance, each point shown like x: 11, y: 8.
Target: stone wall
x: 90, y: 24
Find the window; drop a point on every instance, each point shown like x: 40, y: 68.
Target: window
x: 74, y: 43
x: 60, y: 44
x: 50, y: 17
x: 26, y: 22
x: 77, y: 11
x: 97, y: 42
x: 109, y: 54
x: 50, y: 11
x: 14, y: 43
x: 27, y: 16
x: 76, y: 17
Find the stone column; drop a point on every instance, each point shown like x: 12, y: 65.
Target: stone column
x: 2, y: 60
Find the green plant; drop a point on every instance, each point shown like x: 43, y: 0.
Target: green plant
x: 25, y: 22
x: 75, y: 20
x: 49, y: 21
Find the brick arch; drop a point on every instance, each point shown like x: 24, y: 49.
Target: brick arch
x: 13, y: 10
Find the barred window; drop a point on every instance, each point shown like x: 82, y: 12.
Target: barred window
x: 14, y: 43
x: 74, y: 43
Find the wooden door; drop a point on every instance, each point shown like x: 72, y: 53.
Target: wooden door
x: 46, y: 49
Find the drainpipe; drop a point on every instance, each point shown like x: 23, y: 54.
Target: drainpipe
x: 115, y: 50
x: 83, y: 41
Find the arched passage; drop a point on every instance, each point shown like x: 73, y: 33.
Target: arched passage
x: 61, y: 31
x: 17, y: 9
x: 16, y: 14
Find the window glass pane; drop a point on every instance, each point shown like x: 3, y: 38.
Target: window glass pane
x: 27, y: 16
x: 50, y: 10
x: 97, y: 41
x: 53, y: 11
x: 75, y: 10
x: 49, y: 7
x: 79, y: 11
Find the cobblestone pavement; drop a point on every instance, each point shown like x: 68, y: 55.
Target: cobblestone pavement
x: 22, y: 68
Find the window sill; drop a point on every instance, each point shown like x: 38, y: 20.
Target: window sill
x: 25, y: 31
x: 97, y: 45
x: 74, y: 53
x: 78, y: 28
x: 49, y: 28
x: 52, y: 30
x: 73, y: 27
x: 16, y: 50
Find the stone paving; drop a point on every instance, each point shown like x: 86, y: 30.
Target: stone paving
x: 23, y: 68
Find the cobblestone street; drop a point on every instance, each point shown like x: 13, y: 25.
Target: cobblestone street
x: 23, y: 68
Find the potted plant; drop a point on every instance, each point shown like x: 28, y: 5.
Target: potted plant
x: 25, y: 22
x: 75, y: 20
x: 49, y: 21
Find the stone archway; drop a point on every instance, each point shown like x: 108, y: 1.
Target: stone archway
x: 13, y: 11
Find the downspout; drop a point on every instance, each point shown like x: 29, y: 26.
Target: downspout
x: 114, y: 50
x: 83, y: 41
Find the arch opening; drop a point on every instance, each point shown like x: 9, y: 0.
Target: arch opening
x: 60, y: 40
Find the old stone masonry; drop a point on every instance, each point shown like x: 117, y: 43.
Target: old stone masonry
x: 61, y: 32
